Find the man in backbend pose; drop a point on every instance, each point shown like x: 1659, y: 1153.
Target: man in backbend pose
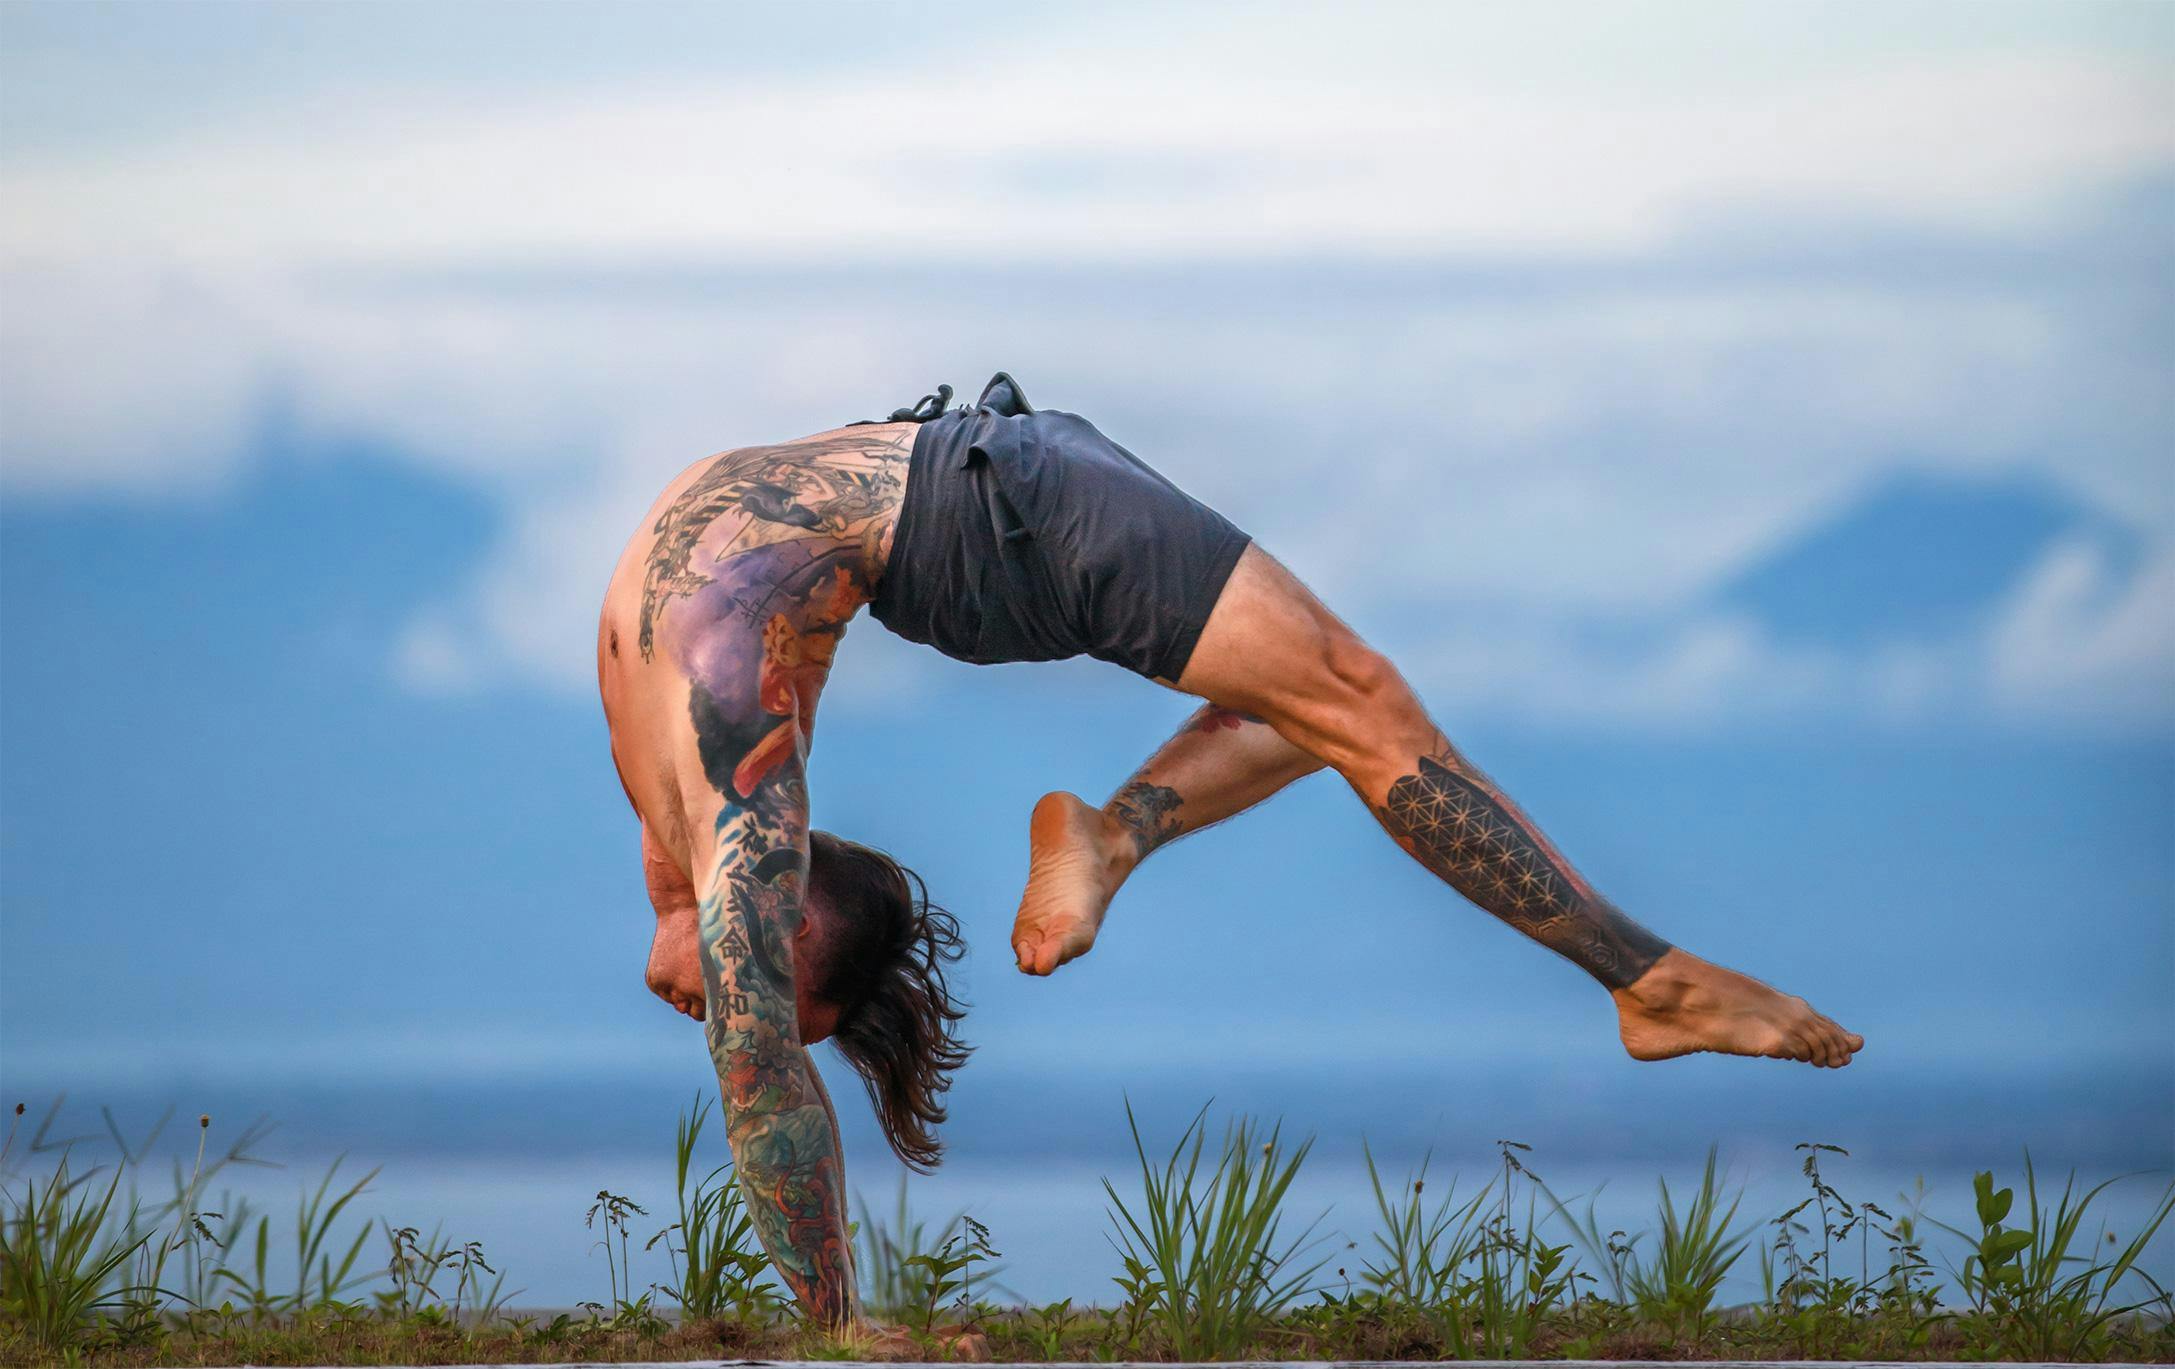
x: 999, y: 533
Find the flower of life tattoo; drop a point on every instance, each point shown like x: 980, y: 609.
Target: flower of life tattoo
x: 1464, y: 833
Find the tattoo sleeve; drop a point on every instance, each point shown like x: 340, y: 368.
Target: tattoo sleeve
x: 756, y: 568
x: 1459, y: 825
x: 784, y: 1137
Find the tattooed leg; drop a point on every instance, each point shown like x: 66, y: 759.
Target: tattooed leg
x: 1271, y: 649
x: 1219, y: 763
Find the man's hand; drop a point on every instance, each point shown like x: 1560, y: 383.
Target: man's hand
x: 675, y: 964
x: 896, y: 1344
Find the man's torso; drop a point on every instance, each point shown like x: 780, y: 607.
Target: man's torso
x: 725, y: 607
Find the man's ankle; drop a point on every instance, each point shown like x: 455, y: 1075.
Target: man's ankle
x: 1120, y: 851
x: 1662, y: 986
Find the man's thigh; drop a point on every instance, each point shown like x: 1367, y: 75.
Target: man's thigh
x: 1271, y: 648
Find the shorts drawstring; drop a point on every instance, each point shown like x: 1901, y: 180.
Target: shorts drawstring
x: 925, y: 408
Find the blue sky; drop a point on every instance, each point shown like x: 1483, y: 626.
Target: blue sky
x: 1749, y: 428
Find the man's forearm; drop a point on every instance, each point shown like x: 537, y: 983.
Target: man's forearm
x: 1461, y: 826
x: 784, y: 1140
x: 785, y: 1148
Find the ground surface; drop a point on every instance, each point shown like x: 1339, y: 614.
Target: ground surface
x: 1316, y: 1364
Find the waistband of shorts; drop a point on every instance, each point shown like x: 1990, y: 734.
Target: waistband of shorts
x: 917, y: 492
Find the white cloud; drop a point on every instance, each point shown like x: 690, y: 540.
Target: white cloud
x: 2077, y: 647
x: 1531, y: 465
x: 2081, y: 639
x: 1120, y: 143
x: 122, y: 376
x: 1539, y: 456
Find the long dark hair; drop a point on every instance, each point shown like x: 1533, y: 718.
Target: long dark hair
x: 884, y: 968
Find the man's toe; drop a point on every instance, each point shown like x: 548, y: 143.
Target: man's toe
x: 1838, y: 1042
x: 1839, y: 1045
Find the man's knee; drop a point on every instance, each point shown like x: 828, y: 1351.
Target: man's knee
x: 1364, y: 678
x: 1370, y: 714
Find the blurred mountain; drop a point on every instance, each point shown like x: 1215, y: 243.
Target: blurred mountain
x: 1919, y: 557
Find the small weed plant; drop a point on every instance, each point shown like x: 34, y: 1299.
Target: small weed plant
x: 1207, y: 1263
x: 718, y: 1266
x: 2035, y: 1289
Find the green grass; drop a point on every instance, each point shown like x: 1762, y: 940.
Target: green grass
x: 718, y: 1266
x: 914, y: 1278
x: 1694, y: 1248
x: 1209, y: 1263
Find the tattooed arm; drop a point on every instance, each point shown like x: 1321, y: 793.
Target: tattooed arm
x: 749, y: 578
x: 784, y: 1137
x: 754, y: 747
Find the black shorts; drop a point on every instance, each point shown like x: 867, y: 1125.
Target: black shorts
x: 1027, y: 535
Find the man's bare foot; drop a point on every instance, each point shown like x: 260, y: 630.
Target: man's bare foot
x: 1077, y: 859
x: 1683, y: 1004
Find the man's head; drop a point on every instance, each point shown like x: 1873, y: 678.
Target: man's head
x: 869, y: 969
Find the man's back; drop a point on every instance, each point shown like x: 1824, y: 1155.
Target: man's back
x: 740, y: 578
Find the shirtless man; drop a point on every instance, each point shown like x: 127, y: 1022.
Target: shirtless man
x: 996, y: 532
